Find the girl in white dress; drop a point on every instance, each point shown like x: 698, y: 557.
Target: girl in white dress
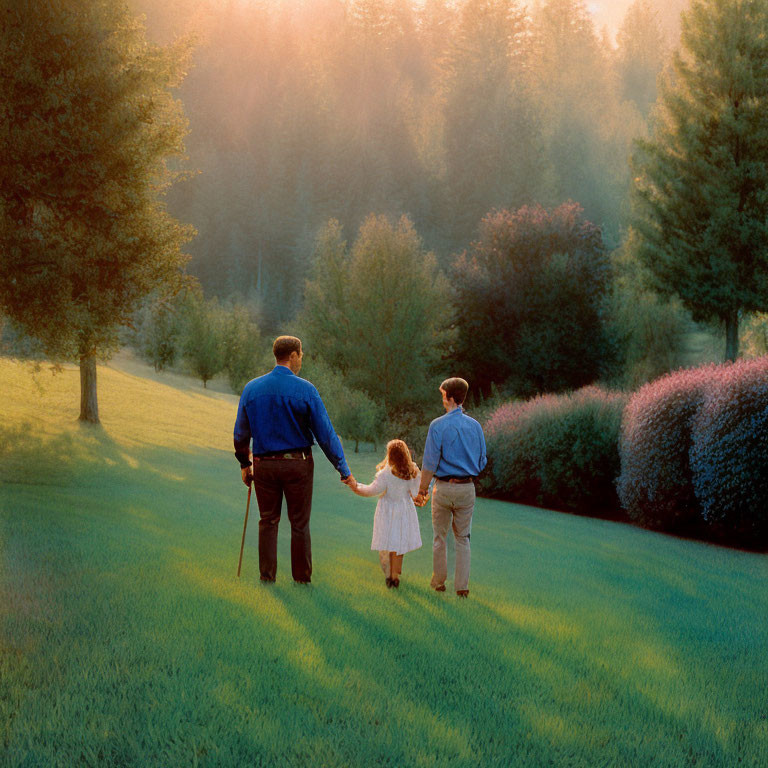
x: 395, y: 523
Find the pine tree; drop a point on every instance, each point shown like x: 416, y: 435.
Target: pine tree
x: 701, y: 180
x: 641, y: 54
x: 89, y: 123
x: 492, y: 148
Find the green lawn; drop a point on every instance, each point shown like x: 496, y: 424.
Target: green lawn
x: 126, y: 639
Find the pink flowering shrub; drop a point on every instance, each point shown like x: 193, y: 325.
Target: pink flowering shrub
x: 558, y: 451
x: 656, y: 486
x: 729, y: 455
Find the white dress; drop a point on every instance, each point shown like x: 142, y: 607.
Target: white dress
x: 395, y: 523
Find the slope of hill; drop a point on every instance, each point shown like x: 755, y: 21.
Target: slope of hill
x: 126, y: 639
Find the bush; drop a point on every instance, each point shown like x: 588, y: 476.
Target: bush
x: 729, y: 457
x: 558, y: 451
x: 647, y: 332
x: 656, y: 486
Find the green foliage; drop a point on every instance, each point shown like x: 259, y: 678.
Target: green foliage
x: 701, y: 187
x: 529, y: 301
x: 378, y: 314
x: 241, y: 337
x: 354, y: 415
x: 90, y: 124
x: 558, y: 451
x: 157, y: 328
x: 648, y: 330
x: 204, y: 341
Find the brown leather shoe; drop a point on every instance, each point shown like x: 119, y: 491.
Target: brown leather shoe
x: 462, y: 592
x: 441, y: 588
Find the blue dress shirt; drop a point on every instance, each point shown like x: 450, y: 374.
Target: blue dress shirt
x: 282, y: 412
x: 455, y: 446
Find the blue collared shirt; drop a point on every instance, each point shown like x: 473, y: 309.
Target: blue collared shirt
x: 455, y: 446
x: 282, y: 412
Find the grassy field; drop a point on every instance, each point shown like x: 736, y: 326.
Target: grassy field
x: 126, y: 639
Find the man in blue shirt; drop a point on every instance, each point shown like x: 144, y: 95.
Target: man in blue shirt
x: 454, y: 455
x: 283, y: 415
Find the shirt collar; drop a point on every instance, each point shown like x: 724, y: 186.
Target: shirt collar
x: 282, y: 370
x: 457, y: 409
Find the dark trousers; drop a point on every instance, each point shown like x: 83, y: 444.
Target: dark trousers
x: 273, y: 479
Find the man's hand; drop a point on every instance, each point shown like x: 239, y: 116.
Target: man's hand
x: 247, y: 473
x: 350, y: 481
x: 421, y: 498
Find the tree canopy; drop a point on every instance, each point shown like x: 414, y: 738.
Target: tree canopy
x: 89, y: 127
x: 701, y: 186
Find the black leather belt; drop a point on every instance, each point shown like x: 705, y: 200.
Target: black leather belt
x: 294, y: 453
x: 455, y: 479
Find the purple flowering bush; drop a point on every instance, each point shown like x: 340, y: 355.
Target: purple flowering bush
x: 729, y: 454
x: 656, y: 486
x: 557, y: 451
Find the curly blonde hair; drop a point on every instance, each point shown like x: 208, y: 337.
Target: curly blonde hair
x: 399, y: 461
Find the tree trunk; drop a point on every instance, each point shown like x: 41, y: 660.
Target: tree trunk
x: 357, y: 446
x: 89, y: 405
x: 731, y: 336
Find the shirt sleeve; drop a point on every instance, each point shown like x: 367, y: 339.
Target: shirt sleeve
x: 483, y: 457
x: 242, y: 435
x: 326, y: 436
x: 377, y: 487
x: 431, y: 450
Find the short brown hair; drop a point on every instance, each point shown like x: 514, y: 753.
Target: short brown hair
x: 284, y: 345
x: 455, y: 388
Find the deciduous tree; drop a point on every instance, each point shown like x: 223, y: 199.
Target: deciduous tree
x: 89, y: 127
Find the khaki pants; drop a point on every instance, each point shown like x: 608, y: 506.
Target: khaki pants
x: 452, y: 505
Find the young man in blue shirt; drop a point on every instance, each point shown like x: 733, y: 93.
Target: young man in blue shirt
x: 454, y: 455
x: 283, y: 415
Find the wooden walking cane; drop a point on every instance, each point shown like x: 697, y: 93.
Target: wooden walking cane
x: 245, y: 524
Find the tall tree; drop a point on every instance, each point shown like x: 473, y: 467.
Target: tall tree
x: 89, y: 124
x: 586, y: 130
x: 379, y: 313
x: 529, y: 300
x: 641, y: 54
x: 701, y: 192
x: 492, y: 150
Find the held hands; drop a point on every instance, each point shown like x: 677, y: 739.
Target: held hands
x: 421, y: 498
x: 350, y: 481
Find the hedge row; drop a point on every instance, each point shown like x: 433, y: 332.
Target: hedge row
x: 687, y: 453
x: 558, y: 451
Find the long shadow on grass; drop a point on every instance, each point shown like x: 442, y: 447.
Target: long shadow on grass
x: 462, y: 673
